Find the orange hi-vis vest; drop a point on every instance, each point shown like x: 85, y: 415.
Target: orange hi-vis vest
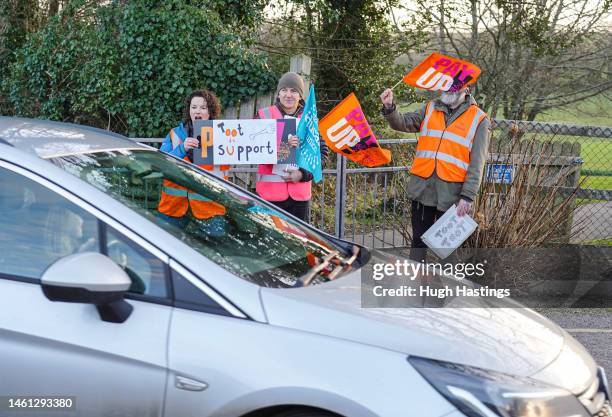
x: 175, y: 200
x: 272, y: 187
x: 446, y: 149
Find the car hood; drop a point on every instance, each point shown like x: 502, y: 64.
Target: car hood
x: 516, y: 341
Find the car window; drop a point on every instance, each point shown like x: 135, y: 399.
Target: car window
x: 188, y: 296
x: 38, y: 226
x: 147, y: 272
x: 243, y: 235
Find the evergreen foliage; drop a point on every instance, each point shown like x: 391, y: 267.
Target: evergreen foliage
x: 128, y: 66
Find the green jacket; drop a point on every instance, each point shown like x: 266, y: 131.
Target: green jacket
x: 434, y: 191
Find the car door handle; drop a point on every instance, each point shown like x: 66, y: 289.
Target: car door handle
x: 188, y: 384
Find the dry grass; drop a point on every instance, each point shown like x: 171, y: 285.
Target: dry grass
x: 536, y: 208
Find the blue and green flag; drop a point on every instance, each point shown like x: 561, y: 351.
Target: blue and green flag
x: 309, y: 156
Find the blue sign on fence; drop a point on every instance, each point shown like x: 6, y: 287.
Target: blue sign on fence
x: 500, y: 173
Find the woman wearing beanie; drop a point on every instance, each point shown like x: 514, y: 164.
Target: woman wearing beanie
x: 291, y: 192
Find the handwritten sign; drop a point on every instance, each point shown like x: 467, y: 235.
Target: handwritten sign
x: 236, y: 142
x: 449, y: 232
x: 243, y: 142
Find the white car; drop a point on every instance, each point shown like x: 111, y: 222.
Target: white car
x: 111, y: 308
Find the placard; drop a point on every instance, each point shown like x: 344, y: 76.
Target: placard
x: 203, y: 132
x: 239, y: 142
x: 244, y: 141
x: 449, y: 232
x: 284, y: 128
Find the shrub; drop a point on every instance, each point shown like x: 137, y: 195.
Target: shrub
x: 127, y: 66
x: 534, y: 210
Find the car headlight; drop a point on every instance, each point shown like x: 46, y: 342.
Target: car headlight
x: 480, y: 393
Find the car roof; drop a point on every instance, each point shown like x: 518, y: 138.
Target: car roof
x: 49, y: 139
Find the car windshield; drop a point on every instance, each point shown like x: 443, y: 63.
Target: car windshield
x: 228, y: 226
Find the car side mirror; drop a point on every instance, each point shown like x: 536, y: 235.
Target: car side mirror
x: 89, y: 278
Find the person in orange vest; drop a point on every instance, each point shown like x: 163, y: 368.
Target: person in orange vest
x: 450, y: 156
x: 176, y: 200
x: 291, y: 192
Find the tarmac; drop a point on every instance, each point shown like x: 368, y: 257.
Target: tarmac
x: 584, y: 228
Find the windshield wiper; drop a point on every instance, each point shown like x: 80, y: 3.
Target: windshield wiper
x: 335, y: 255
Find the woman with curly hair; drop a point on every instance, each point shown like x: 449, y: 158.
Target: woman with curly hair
x: 199, y: 105
x: 176, y: 200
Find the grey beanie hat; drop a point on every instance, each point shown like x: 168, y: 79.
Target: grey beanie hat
x: 291, y: 80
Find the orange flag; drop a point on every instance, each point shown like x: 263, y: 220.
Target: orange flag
x: 439, y: 72
x: 346, y: 131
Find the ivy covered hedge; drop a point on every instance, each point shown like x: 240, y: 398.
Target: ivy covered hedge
x: 128, y: 66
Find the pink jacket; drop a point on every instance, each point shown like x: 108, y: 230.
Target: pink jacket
x: 272, y: 187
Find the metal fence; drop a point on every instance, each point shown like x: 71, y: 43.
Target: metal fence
x: 591, y: 216
x: 369, y: 206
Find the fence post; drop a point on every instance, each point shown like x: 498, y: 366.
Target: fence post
x: 573, y: 181
x: 247, y: 109
x: 230, y: 113
x: 340, y: 205
x: 264, y: 101
x: 301, y: 64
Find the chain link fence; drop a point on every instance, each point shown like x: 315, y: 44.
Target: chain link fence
x: 592, y: 213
